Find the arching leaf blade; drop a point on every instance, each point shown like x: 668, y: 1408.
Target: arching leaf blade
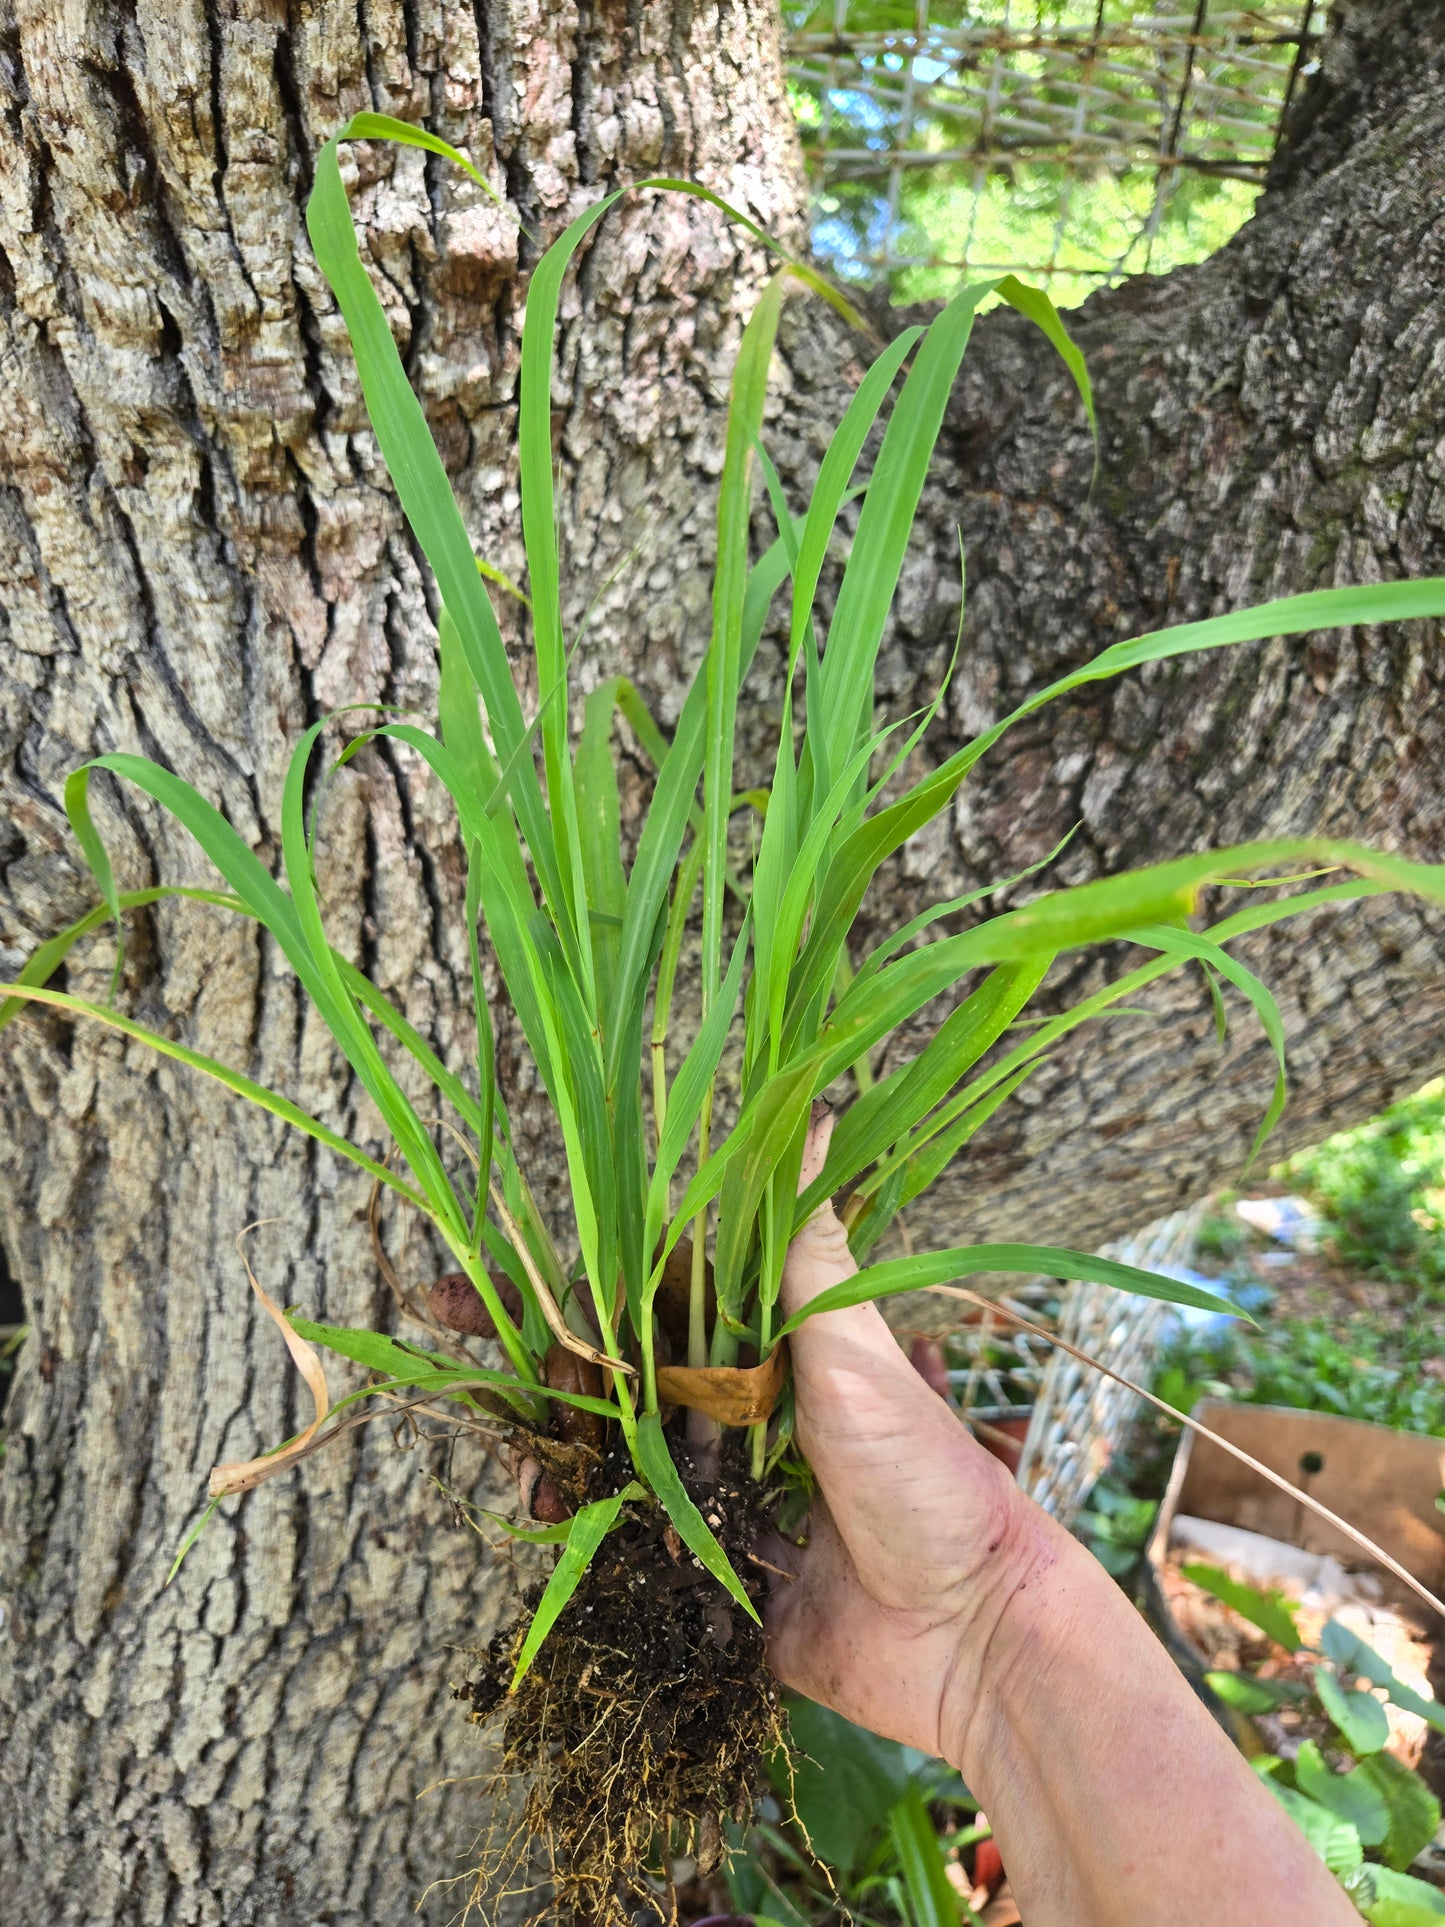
x: 43, y: 962
x: 918, y: 1273
x: 693, y: 1529
x: 236, y: 1081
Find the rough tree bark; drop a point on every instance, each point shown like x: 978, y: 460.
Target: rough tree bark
x: 198, y: 553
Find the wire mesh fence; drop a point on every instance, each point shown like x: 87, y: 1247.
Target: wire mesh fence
x: 1074, y: 141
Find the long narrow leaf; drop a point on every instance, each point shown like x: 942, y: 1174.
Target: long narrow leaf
x: 966, y: 1261
x: 404, y: 1364
x: 590, y: 1527
x: 1089, y: 913
x: 47, y: 957
x: 600, y: 831
x: 693, y: 1529
x: 724, y: 660
x: 836, y: 708
x: 854, y: 865
x: 669, y: 813
x: 1030, y: 1054
x: 243, y: 1086
x: 1186, y: 943
x: 315, y: 962
x: 685, y: 1098
x: 896, y: 1104
x: 426, y: 495
x: 383, y: 127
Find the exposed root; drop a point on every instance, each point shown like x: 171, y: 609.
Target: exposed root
x: 645, y: 1722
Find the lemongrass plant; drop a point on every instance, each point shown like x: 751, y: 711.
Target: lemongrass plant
x: 588, y: 947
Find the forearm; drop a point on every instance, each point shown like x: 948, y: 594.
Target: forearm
x: 1116, y: 1800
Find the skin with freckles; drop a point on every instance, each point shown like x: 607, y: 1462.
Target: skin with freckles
x: 936, y: 1604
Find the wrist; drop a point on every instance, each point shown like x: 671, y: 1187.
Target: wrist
x: 1039, y: 1599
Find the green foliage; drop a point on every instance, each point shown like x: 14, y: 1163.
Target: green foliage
x: 1115, y: 1525
x: 657, y: 1467
x: 1372, y: 1372
x: 584, y: 940
x: 585, y: 1533
x: 1353, y: 1801
x: 930, y: 1899
x: 1352, y: 1796
x: 1413, y: 1809
x: 845, y: 1782
x: 1357, y: 1714
x: 1068, y: 200
x: 880, y: 1818
x: 1349, y: 1653
x: 1267, y: 1610
x: 1252, y: 1695
x: 1394, y: 1899
x: 1382, y: 1188
x: 1333, y: 1839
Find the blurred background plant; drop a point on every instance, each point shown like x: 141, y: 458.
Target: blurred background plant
x: 1355, y: 1310
x: 1381, y: 1189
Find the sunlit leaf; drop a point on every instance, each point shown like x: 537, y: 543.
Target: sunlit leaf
x: 1359, y: 1715
x: 1270, y: 1611
x: 967, y: 1261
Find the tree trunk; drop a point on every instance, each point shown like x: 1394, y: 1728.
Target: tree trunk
x: 199, y: 554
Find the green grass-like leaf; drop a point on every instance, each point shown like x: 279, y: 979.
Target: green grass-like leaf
x: 589, y: 1528
x: 693, y: 1529
x: 967, y: 1261
x: 247, y: 1087
x: 585, y: 942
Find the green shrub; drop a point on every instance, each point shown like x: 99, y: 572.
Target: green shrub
x: 1366, y: 1815
x: 1370, y: 1373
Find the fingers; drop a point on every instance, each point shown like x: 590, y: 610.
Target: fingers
x: 836, y: 1354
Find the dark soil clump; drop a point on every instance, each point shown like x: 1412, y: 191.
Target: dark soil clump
x: 644, y: 1723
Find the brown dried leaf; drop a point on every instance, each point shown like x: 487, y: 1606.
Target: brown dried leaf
x: 241, y: 1475
x: 733, y: 1395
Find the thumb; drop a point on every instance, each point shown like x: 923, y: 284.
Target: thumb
x: 818, y: 1256
x: 855, y: 1387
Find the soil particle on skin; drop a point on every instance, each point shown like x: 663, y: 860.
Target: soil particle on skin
x: 644, y: 1723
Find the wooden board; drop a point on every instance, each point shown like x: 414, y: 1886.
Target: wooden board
x: 1384, y: 1482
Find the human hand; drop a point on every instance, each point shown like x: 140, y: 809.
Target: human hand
x: 920, y: 1537
x: 937, y: 1605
